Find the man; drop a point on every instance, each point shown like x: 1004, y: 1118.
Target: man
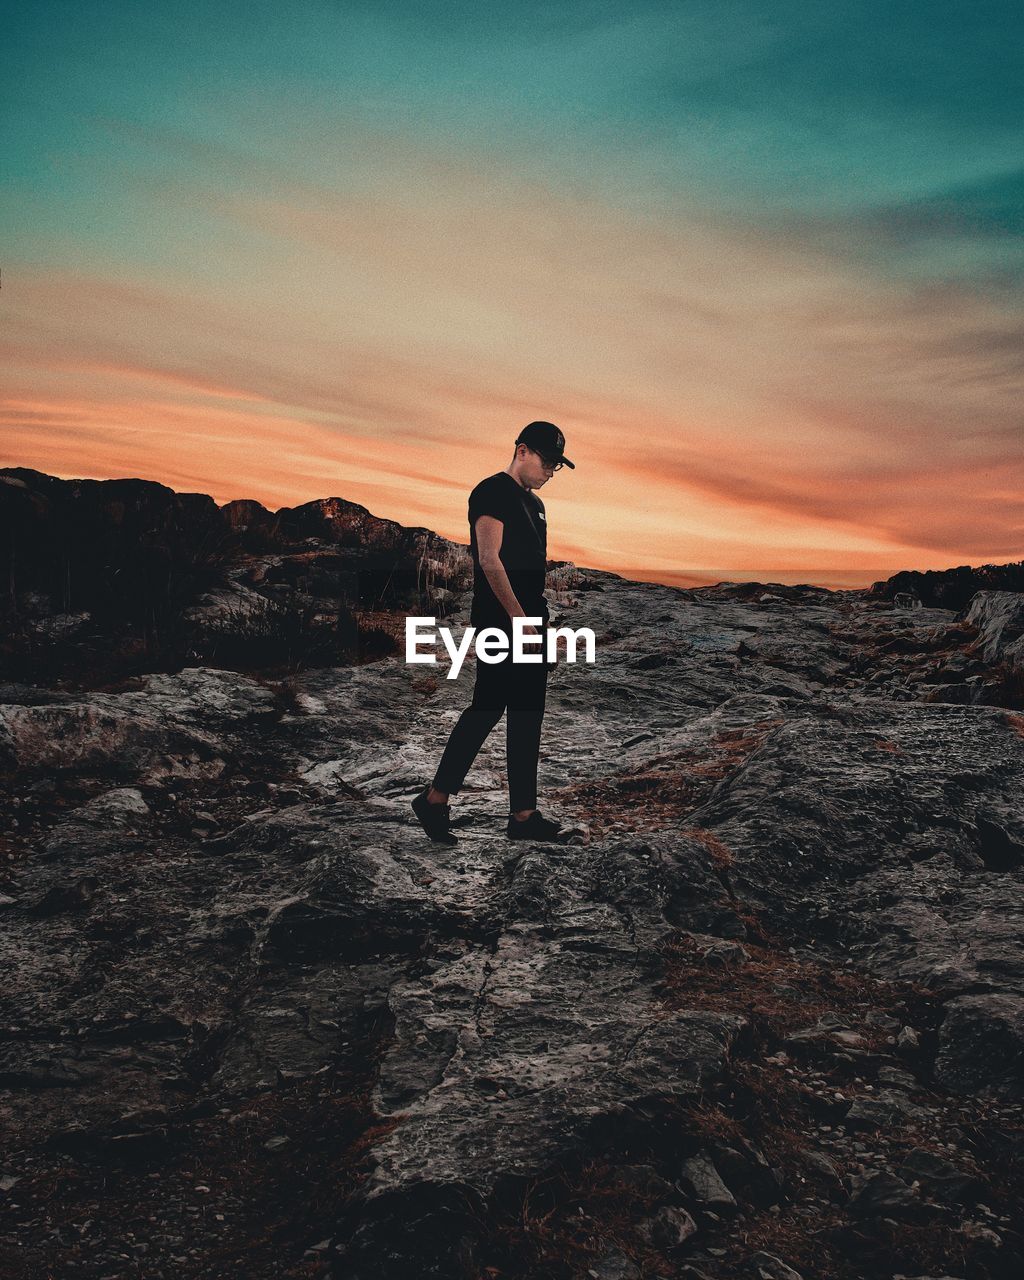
x: 508, y: 539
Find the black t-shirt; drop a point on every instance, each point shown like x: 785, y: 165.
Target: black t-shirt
x: 524, y: 548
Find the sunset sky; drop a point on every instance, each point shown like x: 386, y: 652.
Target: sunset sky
x: 760, y: 259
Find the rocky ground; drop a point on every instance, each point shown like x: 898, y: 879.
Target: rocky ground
x: 761, y: 1016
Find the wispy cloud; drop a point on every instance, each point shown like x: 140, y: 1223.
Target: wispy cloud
x: 775, y: 326
x: 731, y: 398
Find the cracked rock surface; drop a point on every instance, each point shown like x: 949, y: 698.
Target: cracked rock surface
x: 766, y: 1000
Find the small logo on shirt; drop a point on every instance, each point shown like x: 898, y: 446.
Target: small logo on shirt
x: 543, y: 516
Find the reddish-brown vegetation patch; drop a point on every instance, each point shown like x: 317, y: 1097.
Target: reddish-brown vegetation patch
x: 204, y: 1197
x: 721, y: 854
x: 668, y: 788
x: 1016, y: 722
x: 559, y: 1226
x: 775, y: 989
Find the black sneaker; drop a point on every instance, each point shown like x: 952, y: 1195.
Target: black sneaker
x: 435, y: 819
x: 535, y: 827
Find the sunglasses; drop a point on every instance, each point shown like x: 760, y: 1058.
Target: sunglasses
x: 550, y: 463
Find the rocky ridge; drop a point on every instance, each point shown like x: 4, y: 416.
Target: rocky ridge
x: 115, y: 577
x: 762, y: 1015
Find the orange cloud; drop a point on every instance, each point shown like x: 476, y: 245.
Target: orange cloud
x: 731, y: 400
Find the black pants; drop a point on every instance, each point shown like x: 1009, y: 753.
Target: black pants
x: 518, y: 689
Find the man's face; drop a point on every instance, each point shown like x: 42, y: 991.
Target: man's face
x: 536, y: 470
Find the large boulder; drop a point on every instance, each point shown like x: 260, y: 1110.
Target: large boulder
x: 981, y: 1045
x: 999, y: 617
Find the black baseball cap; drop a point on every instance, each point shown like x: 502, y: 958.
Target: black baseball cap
x: 546, y: 439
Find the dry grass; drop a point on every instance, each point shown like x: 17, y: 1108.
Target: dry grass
x: 668, y: 788
x: 560, y: 1225
x: 721, y: 855
x: 779, y: 1103
x: 426, y: 684
x: 387, y: 621
x: 274, y: 1203
x: 711, y: 1122
x: 778, y: 992
x: 821, y: 1246
x: 740, y: 742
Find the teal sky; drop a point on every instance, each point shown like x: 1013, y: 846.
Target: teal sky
x: 842, y: 182
x: 904, y: 114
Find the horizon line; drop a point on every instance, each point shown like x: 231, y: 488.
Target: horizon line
x: 653, y: 576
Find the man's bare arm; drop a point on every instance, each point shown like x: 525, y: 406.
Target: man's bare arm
x: 489, y: 530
